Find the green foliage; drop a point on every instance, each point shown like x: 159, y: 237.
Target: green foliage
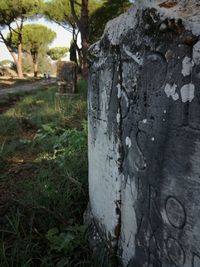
x: 82, y: 87
x: 73, y: 15
x: 109, y: 10
x: 56, y: 53
x: 27, y: 63
x: 6, y: 62
x: 13, y: 9
x: 43, y: 177
x: 35, y: 39
x: 67, y: 241
x: 43, y: 63
x: 60, y: 11
x: 16, y: 12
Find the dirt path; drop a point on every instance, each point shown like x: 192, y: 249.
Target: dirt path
x: 26, y: 87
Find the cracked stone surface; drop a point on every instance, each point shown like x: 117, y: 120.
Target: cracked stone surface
x: 144, y: 135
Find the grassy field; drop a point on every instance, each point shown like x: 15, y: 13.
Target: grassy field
x: 43, y: 181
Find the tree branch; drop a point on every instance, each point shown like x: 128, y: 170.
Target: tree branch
x: 18, y: 27
x: 9, y: 46
x: 3, y: 38
x: 78, y: 4
x: 64, y: 25
x: 75, y: 17
x: 11, y: 28
x: 21, y: 24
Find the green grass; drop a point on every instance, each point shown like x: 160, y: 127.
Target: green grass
x: 43, y: 181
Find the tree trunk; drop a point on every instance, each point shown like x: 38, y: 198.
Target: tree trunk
x: 18, y: 66
x: 19, y: 61
x: 35, y: 69
x: 77, y: 50
x: 84, y: 58
x: 34, y: 56
x: 84, y: 29
x: 80, y: 57
x: 83, y: 26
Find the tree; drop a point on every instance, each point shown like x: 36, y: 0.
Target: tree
x: 110, y: 7
x: 109, y: 10
x: 56, y: 53
x: 59, y: 12
x: 82, y: 23
x: 13, y: 13
x: 6, y: 62
x: 36, y: 39
x: 73, y: 16
x: 44, y: 63
x: 72, y: 52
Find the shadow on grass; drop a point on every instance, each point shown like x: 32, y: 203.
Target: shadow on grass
x: 43, y: 182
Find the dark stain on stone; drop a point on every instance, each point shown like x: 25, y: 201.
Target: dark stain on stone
x: 164, y: 134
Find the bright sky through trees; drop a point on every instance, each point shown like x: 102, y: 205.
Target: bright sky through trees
x: 63, y: 37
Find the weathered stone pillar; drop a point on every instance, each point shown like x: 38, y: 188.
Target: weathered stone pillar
x: 66, y: 77
x: 144, y: 135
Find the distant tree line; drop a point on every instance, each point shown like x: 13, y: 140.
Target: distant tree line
x: 84, y: 17
x: 35, y: 41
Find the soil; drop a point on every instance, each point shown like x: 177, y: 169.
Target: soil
x: 9, y: 87
x: 10, y: 82
x: 8, y: 103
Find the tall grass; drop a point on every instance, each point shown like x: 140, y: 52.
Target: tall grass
x: 43, y: 181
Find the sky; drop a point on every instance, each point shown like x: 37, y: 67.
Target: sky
x: 63, y: 37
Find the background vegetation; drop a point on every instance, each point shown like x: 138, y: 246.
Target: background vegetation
x: 43, y: 181
x: 35, y: 41
x: 81, y: 17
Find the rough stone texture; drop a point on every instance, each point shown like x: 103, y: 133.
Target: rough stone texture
x: 144, y: 135
x: 66, y: 76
